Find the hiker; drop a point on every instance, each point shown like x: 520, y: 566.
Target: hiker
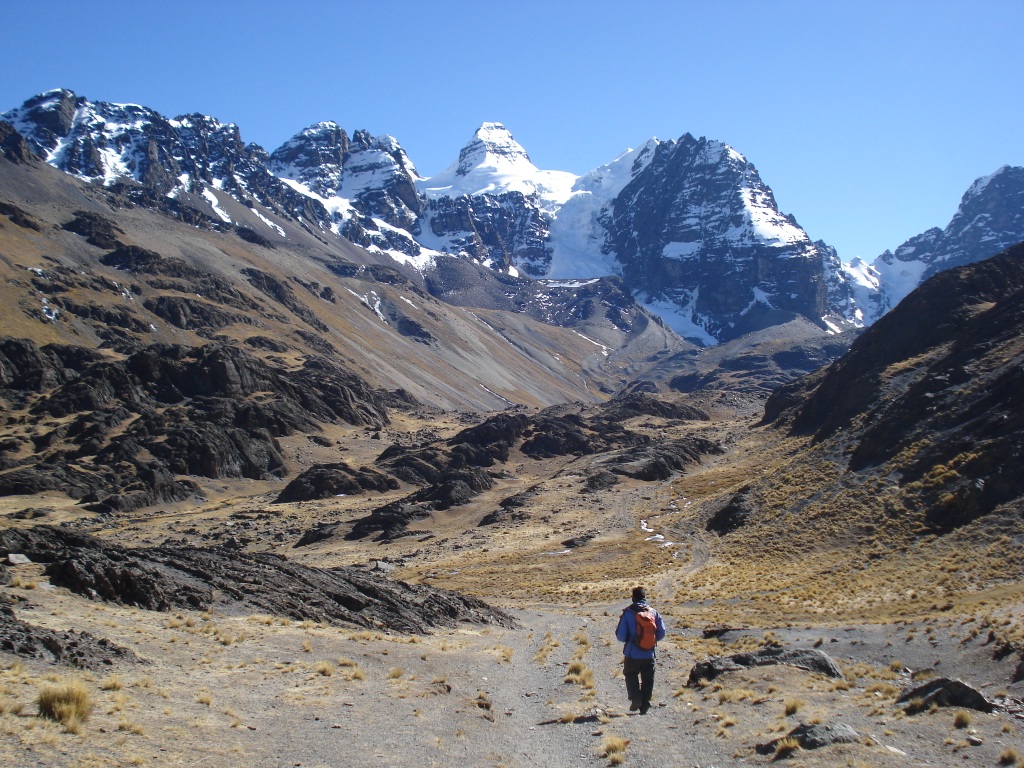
x: 640, y: 628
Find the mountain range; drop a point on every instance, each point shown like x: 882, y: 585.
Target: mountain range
x: 687, y: 226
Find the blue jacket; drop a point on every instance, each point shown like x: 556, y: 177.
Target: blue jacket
x: 626, y: 632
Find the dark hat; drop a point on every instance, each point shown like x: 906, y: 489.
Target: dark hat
x: 639, y: 595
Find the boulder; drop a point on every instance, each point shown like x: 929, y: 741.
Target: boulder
x: 809, y: 659
x: 814, y: 736
x: 627, y: 406
x: 319, y: 532
x: 947, y: 693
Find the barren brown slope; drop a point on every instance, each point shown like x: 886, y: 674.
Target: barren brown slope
x: 306, y: 292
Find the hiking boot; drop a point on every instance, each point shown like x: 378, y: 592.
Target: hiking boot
x: 634, y: 705
x: 644, y: 707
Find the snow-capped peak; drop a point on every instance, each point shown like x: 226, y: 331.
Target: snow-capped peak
x: 493, y: 162
x: 493, y: 146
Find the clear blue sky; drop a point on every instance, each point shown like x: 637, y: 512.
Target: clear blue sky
x: 868, y: 119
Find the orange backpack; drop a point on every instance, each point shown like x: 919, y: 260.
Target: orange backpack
x: 646, y: 629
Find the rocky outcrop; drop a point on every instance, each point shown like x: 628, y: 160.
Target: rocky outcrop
x: 324, y: 481
x: 453, y: 488
x: 213, y: 411
x: 167, y: 578
x: 734, y: 514
x: 807, y: 659
x: 659, y: 461
x: 989, y: 219
x: 814, y: 736
x: 96, y: 229
x: 77, y: 649
x: 944, y: 692
x: 19, y: 217
x: 14, y: 147
x: 632, y: 404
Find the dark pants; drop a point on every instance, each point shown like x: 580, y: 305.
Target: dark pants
x: 639, y: 674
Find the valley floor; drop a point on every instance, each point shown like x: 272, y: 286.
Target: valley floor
x: 217, y: 690
x: 223, y: 690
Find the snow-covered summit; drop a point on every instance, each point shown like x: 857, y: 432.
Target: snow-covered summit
x: 990, y: 219
x: 493, y: 162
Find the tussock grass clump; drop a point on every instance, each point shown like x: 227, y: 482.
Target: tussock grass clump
x: 962, y: 719
x: 915, y: 705
x: 112, y: 683
x: 1009, y: 756
x: 580, y: 674
x: 483, y: 702
x: 887, y: 690
x: 129, y: 727
x: 325, y: 668
x: 614, y: 748
x: 67, y: 703
x: 785, y: 747
x: 548, y: 644
x: 395, y: 672
x: 731, y: 695
x: 792, y: 705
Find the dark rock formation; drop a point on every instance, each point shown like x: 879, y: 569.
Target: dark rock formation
x: 254, y: 237
x: 97, y: 230
x: 323, y: 481
x: 13, y: 147
x: 808, y: 659
x: 630, y: 405
x: 734, y: 515
x: 78, y: 649
x: 18, y: 216
x: 816, y: 736
x: 946, y: 693
x: 579, y: 540
x: 600, y: 480
x: 659, y: 461
x: 453, y: 488
x: 316, y: 534
x: 167, y: 578
x: 212, y: 411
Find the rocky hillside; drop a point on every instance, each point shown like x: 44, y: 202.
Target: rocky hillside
x: 930, y: 398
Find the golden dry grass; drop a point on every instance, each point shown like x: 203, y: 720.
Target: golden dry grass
x: 68, y: 703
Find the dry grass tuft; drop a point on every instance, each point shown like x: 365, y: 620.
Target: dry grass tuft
x: 67, y: 703
x: 580, y: 674
x: 1009, y: 756
x: 614, y: 748
x: 962, y: 718
x: 785, y: 747
x: 792, y: 705
x: 112, y: 683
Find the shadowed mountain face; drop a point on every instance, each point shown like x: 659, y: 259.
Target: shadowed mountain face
x: 934, y: 392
